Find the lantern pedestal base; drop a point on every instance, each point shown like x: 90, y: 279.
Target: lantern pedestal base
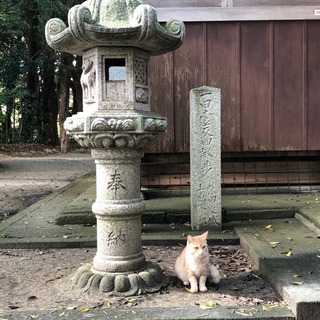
x: 149, y: 280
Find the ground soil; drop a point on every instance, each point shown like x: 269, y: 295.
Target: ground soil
x: 29, y: 172
x: 40, y: 280
x: 36, y: 279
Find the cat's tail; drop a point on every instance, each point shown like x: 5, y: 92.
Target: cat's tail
x: 214, y: 275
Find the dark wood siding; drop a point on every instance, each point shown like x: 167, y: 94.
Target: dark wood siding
x: 223, y: 72
x: 313, y: 85
x: 268, y: 72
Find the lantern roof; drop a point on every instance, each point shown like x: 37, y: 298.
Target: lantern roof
x: 114, y: 23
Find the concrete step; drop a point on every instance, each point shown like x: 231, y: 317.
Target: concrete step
x: 168, y: 210
x: 177, y: 209
x: 216, y: 313
x: 310, y: 216
x: 288, y: 255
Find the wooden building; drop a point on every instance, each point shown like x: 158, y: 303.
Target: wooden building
x: 265, y: 57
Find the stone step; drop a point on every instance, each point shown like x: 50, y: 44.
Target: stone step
x: 288, y: 255
x: 169, y: 210
x: 310, y: 216
x: 177, y: 209
x: 216, y: 313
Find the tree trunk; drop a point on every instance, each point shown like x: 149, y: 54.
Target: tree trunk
x: 29, y: 112
x: 50, y: 100
x: 8, y: 130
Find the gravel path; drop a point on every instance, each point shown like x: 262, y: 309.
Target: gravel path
x: 25, y: 180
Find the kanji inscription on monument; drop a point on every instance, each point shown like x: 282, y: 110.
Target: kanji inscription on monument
x: 205, y: 154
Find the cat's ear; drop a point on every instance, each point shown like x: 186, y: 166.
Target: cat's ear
x: 205, y: 235
x: 189, y: 239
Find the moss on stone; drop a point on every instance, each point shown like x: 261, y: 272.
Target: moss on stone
x: 117, y: 13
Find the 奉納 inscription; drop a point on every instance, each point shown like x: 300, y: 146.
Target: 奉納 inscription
x: 115, y: 239
x: 116, y: 182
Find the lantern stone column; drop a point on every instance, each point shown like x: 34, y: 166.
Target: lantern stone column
x: 116, y: 40
x: 118, y: 209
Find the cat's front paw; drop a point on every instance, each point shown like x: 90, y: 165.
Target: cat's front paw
x: 203, y: 289
x: 193, y: 289
x: 186, y: 283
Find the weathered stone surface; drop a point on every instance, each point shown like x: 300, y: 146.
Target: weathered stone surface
x: 107, y: 283
x: 149, y: 280
x: 122, y: 283
x: 118, y: 208
x: 95, y: 282
x: 116, y: 39
x: 84, y: 278
x: 205, y: 158
x: 114, y: 23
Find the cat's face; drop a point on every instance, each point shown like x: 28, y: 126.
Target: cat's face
x: 197, y: 246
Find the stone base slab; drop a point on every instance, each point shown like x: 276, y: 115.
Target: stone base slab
x: 151, y: 279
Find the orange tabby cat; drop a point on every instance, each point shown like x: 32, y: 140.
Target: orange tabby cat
x: 193, y: 264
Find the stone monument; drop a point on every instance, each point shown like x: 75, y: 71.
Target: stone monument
x: 205, y: 158
x: 116, y: 39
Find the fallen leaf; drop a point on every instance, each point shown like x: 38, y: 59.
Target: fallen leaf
x: 207, y: 305
x: 289, y: 254
x: 5, y: 235
x: 14, y: 307
x: 234, y: 288
x: 297, y: 283
x: 244, y: 314
x: 50, y: 280
x: 297, y: 276
x: 269, y: 227
x: 284, y: 252
x: 274, y: 242
x: 85, y: 310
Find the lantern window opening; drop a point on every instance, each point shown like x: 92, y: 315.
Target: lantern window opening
x: 115, y: 69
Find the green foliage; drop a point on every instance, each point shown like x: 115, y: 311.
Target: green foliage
x: 29, y: 69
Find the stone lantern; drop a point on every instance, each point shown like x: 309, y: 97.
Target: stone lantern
x: 116, y: 39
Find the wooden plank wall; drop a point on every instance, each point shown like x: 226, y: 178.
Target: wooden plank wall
x: 268, y: 72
